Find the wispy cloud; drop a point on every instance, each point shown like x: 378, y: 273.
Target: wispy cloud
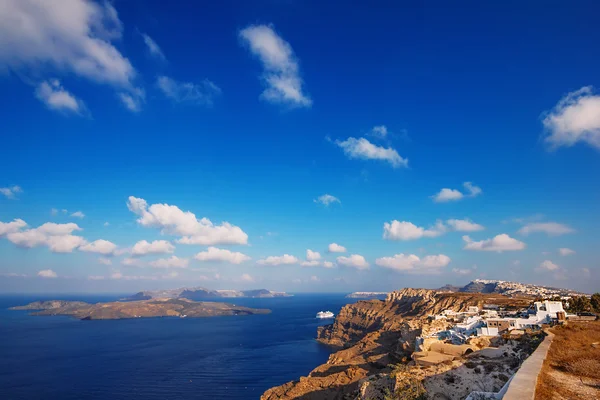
x: 202, y: 93
x: 361, y: 148
x: 153, y: 47
x: 11, y: 192
x: 55, y: 97
x: 281, y: 71
x: 327, y: 199
x: 446, y: 194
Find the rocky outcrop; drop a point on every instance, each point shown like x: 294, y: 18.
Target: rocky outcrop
x: 373, y: 335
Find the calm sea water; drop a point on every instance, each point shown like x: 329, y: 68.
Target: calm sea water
x: 236, y: 357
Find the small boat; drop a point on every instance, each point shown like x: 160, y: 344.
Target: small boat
x: 325, y: 314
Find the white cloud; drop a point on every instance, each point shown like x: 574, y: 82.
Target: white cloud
x: 73, y: 37
x: 565, y: 251
x: 171, y: 262
x: 361, y: 148
x: 153, y: 48
x: 413, y: 263
x: 104, y: 261
x: 11, y: 191
x: 327, y: 199
x: 380, y: 131
x: 404, y: 230
x: 106, y: 223
x: 464, y: 225
x: 354, y: 261
x: 100, y: 246
x: 499, y: 243
x: 202, y: 93
x: 576, y: 118
x: 47, y: 273
x: 13, y: 226
x: 328, y: 264
x: 446, y: 195
x: 246, y: 278
x: 312, y: 255
x: 314, y: 278
x: 221, y: 255
x: 95, y: 278
x: 280, y: 66
x: 144, y: 247
x: 133, y: 262
x: 285, y: 259
x: 57, y: 237
x: 548, y: 266
x: 78, y: 214
x: 171, y: 220
x: 549, y: 228
x: 336, y: 248
x: 55, y: 97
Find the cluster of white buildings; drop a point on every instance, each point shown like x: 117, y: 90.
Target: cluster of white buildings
x: 488, y: 322
x: 515, y: 288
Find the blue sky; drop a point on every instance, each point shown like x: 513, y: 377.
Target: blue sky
x: 456, y: 142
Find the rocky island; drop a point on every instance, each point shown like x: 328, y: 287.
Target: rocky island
x: 200, y: 293
x: 165, y: 307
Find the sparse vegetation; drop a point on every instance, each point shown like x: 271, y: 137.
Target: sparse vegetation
x: 408, y: 386
x: 575, y: 352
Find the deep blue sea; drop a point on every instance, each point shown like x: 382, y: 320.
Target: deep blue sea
x: 237, y: 357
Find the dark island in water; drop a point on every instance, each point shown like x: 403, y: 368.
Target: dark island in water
x: 182, y: 302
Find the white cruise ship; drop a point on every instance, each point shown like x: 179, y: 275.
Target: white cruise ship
x: 325, y: 314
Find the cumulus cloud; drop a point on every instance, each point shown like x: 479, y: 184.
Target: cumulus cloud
x: 404, y: 230
x: 565, y: 251
x: 221, y: 255
x: 57, y: 237
x: 312, y: 255
x: 464, y: 225
x: 361, y: 148
x: 414, y: 264
x: 100, y: 246
x: 78, y: 214
x: 10, y: 227
x: 354, y: 261
x: 133, y: 262
x: 144, y: 247
x: 328, y: 264
x: 336, y: 248
x: 549, y: 228
x: 75, y: 36
x: 56, y: 98
x: 498, y: 243
x: 327, y: 199
x: 47, y: 273
x: 172, y: 220
x: 285, y: 259
x: 171, y: 262
x: 153, y: 48
x: 246, y: 278
x: 280, y: 66
x: 11, y: 191
x: 576, y: 118
x: 548, y: 265
x: 202, y: 93
x: 446, y: 194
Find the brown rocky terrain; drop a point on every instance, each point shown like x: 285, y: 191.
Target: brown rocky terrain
x: 372, y: 336
x: 138, y: 309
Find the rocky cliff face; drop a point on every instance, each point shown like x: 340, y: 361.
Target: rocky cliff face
x: 372, y: 335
